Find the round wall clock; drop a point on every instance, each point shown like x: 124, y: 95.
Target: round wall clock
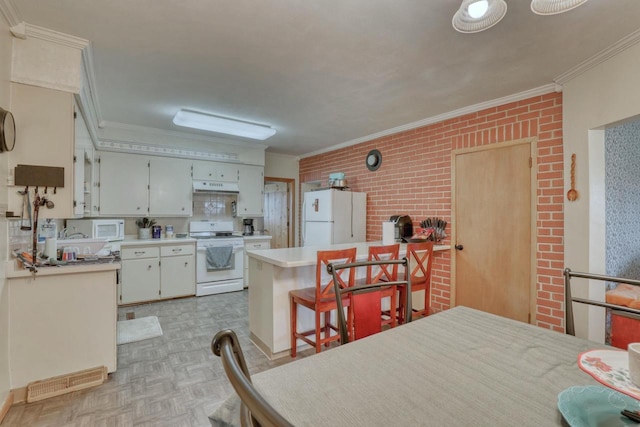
x: 7, y: 131
x: 373, y: 160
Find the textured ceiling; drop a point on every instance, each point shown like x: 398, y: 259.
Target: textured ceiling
x: 321, y: 72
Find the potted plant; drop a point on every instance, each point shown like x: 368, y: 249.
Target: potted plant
x: 144, y: 227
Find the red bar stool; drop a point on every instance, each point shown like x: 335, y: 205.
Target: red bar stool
x: 321, y: 299
x: 420, y: 256
x: 385, y: 273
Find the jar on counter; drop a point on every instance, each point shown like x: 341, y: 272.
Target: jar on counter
x: 168, y: 231
x: 156, y: 232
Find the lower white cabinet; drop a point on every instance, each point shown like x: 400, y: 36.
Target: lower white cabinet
x: 253, y: 243
x: 140, y: 274
x: 177, y: 271
x: 157, y: 272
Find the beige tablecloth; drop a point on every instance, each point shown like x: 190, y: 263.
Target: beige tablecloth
x: 460, y: 367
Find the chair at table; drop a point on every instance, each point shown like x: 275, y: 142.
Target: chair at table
x: 321, y: 299
x: 365, y: 300
x: 255, y: 411
x: 385, y: 273
x: 421, y: 257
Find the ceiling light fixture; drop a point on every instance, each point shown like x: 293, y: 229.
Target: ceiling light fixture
x: 229, y: 126
x: 478, y: 15
x: 552, y: 7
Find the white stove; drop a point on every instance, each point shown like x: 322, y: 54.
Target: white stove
x: 219, y: 257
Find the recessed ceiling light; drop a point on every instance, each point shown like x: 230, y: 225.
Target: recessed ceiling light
x: 226, y: 125
x: 478, y: 15
x: 551, y: 7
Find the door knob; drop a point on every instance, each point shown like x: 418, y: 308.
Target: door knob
x: 459, y: 247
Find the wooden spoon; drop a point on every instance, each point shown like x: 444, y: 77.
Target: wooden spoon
x: 572, y: 194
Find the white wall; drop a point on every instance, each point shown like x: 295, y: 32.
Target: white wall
x: 283, y: 166
x: 5, y: 102
x: 604, y: 95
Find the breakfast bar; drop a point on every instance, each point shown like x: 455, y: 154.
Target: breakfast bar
x: 275, y: 272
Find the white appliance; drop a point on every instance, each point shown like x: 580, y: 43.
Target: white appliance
x: 216, y: 241
x: 110, y: 229
x: 333, y: 216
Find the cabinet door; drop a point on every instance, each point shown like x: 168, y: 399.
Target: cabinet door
x: 178, y: 276
x: 249, y: 245
x: 44, y: 137
x: 251, y: 186
x: 78, y: 182
x: 124, y: 184
x: 215, y: 171
x: 170, y: 187
x: 140, y: 280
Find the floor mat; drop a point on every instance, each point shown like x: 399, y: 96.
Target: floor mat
x: 138, y: 329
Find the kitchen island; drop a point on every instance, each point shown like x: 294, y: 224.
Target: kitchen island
x: 274, y: 272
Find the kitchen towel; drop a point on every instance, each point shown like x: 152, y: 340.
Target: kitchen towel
x: 219, y: 258
x: 388, y: 233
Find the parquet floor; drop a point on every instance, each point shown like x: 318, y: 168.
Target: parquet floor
x: 172, y: 380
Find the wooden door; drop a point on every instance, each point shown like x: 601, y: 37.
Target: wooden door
x: 493, y: 230
x: 277, y: 213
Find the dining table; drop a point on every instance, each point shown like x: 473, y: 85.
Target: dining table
x: 459, y: 367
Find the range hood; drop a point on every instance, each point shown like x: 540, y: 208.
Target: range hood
x: 215, y: 187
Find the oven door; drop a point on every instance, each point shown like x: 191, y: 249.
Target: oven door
x: 213, y: 272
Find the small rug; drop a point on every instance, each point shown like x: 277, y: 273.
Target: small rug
x: 138, y: 329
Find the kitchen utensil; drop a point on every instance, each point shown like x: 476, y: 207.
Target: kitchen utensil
x: 572, y: 194
x: 26, y: 210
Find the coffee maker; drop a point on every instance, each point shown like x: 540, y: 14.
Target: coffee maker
x: 247, y: 227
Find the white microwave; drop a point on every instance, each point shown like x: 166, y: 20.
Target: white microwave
x: 110, y: 229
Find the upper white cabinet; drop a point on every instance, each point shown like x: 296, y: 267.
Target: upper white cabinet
x: 170, y: 188
x: 44, y: 137
x: 124, y: 184
x: 215, y: 171
x: 251, y: 186
x: 135, y: 185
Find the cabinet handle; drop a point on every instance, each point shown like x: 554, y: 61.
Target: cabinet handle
x: 257, y: 246
x: 186, y: 264
x: 139, y: 253
x: 149, y: 267
x: 138, y: 208
x: 177, y: 250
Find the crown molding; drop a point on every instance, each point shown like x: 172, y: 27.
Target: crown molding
x: 600, y: 57
x: 542, y: 90
x: 166, y: 151
x: 55, y: 37
x: 10, y: 13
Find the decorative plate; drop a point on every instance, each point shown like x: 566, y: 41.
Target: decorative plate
x: 595, y: 406
x: 611, y: 368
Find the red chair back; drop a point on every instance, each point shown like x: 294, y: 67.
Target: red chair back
x: 420, y: 256
x: 384, y: 273
x: 324, y: 281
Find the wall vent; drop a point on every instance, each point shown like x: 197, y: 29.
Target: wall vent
x: 39, y: 390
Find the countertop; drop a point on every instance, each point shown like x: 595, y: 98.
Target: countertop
x: 307, y: 255
x: 258, y: 237
x: 134, y: 241
x: 14, y: 271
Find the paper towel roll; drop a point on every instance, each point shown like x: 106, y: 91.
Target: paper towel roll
x: 50, y: 247
x: 388, y: 233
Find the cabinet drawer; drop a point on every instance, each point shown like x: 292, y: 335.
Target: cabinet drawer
x: 258, y: 245
x: 136, y: 253
x: 176, y: 250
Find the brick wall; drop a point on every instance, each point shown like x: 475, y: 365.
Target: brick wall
x: 415, y: 179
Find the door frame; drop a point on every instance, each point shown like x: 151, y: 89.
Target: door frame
x: 533, y: 170
x: 291, y: 202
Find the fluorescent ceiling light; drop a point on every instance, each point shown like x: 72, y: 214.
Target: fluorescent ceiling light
x: 210, y: 122
x: 478, y: 15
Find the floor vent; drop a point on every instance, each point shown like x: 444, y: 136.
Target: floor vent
x: 56, y: 386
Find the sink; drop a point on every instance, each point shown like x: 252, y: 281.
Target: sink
x: 84, y: 246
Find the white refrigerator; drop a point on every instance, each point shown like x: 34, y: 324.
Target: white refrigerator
x: 333, y: 216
